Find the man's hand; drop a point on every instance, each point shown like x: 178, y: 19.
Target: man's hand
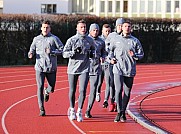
x: 47, y: 50
x: 131, y: 53
x: 78, y: 50
x: 102, y: 60
x: 30, y: 56
x: 113, y: 61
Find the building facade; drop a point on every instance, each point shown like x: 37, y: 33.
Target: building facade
x: 104, y: 8
x: 1, y: 6
x: 129, y: 8
x: 36, y: 6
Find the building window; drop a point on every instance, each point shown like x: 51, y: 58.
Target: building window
x: 109, y: 6
x: 102, y: 6
x: 177, y: 8
x: 80, y: 6
x: 158, y: 6
x: 125, y: 6
x: 91, y: 7
x: 134, y: 6
x: 168, y: 6
x: 85, y: 8
x: 48, y: 8
x: 74, y: 6
x: 117, y: 6
x: 142, y: 6
x: 150, y: 6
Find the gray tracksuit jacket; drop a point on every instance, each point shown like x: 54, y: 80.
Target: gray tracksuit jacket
x: 79, y: 61
x: 95, y: 65
x: 119, y: 47
x: 107, y: 59
x: 46, y: 49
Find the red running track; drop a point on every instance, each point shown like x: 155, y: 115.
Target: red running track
x: 19, y: 110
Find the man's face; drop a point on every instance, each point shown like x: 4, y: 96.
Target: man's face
x: 126, y: 27
x: 94, y: 33
x: 119, y: 28
x: 81, y: 28
x: 106, y: 31
x: 45, y: 29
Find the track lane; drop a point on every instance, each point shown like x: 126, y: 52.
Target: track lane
x: 102, y: 117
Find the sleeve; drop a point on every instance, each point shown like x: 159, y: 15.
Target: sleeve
x: 109, y: 48
x: 32, y: 48
x: 68, y: 50
x: 103, y: 51
x: 59, y: 47
x: 139, y: 53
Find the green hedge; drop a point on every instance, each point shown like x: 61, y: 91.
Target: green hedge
x: 161, y: 38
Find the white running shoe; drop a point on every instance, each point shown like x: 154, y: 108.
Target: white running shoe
x: 98, y: 97
x: 79, y: 116
x: 72, y: 115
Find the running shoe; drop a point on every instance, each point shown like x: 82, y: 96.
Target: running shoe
x: 118, y: 116
x: 105, y: 104
x: 115, y: 108
x: 123, y: 117
x: 111, y: 107
x: 88, y: 115
x: 98, y: 97
x: 72, y: 115
x: 42, y: 111
x: 79, y: 116
x: 46, y: 95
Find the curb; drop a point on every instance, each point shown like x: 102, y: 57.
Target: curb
x: 139, y: 118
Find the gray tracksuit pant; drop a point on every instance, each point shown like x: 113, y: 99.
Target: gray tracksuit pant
x: 40, y: 79
x: 93, y: 86
x: 83, y: 81
x: 109, y: 80
x: 122, y: 83
x: 95, y: 70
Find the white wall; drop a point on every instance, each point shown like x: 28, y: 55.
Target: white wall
x: 33, y: 6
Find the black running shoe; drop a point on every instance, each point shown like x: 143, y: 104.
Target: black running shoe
x: 46, y: 95
x: 123, y: 117
x: 42, y: 111
x: 118, y: 116
x: 88, y: 115
x: 105, y: 104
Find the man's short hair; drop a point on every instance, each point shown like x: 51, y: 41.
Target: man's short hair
x: 81, y: 21
x: 46, y: 22
x: 106, y: 26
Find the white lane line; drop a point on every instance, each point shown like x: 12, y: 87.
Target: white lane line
x: 17, y: 87
x: 17, y: 80
x: 13, y: 71
x: 26, y: 86
x: 32, y: 74
x: 165, y: 96
x: 13, y: 105
x: 154, y: 98
x: 137, y: 116
x: 148, y: 92
x: 5, y: 113
x: 66, y: 75
x: 139, y: 67
x: 26, y: 99
x: 158, y: 73
x: 26, y: 79
x: 12, y: 76
x: 67, y: 80
x: 73, y: 124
